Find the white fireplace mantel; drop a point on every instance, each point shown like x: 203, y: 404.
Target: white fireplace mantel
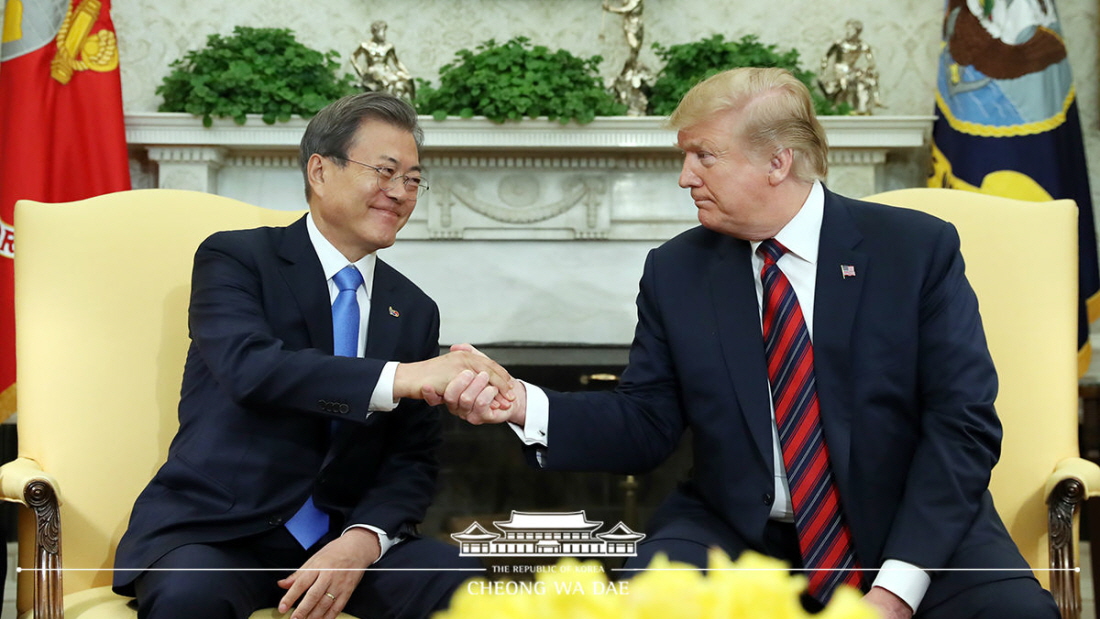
x: 613, y: 132
x: 614, y: 178
x: 508, y: 238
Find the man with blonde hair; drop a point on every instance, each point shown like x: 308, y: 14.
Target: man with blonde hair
x: 827, y: 355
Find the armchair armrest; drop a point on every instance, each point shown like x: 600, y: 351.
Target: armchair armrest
x: 17, y: 474
x: 23, y: 481
x: 1084, y: 471
x: 1073, y: 481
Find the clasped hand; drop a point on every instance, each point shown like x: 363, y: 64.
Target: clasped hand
x: 476, y: 397
x: 426, y: 379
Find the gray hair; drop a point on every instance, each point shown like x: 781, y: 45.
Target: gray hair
x: 331, y: 131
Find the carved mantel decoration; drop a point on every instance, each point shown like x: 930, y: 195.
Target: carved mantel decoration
x: 612, y: 179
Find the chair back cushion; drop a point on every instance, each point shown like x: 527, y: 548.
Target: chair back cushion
x: 1021, y: 259
x: 102, y: 289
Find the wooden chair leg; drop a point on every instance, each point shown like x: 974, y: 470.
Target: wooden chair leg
x: 1092, y: 522
x: 1064, y: 504
x: 1089, y: 392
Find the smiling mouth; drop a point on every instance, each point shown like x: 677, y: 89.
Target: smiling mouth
x: 385, y: 209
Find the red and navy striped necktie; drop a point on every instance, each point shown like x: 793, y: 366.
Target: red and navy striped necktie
x: 823, y: 535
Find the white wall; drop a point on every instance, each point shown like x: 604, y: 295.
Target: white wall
x: 904, y: 34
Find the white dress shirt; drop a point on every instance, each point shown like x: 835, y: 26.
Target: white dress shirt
x: 801, y: 236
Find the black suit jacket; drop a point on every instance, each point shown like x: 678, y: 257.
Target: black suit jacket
x: 261, y: 390
x: 905, y: 382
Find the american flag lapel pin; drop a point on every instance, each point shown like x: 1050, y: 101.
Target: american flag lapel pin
x: 394, y: 313
x: 847, y: 270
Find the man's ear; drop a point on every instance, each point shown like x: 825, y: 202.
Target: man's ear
x: 316, y: 172
x: 779, y: 167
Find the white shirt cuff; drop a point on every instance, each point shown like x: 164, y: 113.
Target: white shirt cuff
x: 385, y: 542
x: 904, y: 580
x: 382, y: 398
x: 534, y: 427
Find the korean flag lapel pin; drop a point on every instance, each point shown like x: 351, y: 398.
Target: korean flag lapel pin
x: 394, y: 313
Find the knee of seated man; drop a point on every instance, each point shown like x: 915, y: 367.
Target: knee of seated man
x: 1016, y: 598
x: 1029, y: 602
x: 189, y: 594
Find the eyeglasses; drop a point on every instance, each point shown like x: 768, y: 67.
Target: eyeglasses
x: 386, y: 178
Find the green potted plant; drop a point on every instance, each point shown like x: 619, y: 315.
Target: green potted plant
x: 516, y: 80
x: 687, y: 64
x: 253, y: 71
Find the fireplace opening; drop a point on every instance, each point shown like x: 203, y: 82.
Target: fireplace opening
x: 484, y: 475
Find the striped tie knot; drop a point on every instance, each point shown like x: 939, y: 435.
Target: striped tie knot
x: 771, y: 251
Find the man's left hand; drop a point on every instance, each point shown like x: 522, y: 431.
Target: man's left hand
x: 887, y: 604
x: 330, y: 576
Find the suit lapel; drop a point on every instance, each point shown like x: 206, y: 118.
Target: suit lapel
x: 386, y: 304
x: 836, y: 303
x: 306, y: 279
x: 738, y: 318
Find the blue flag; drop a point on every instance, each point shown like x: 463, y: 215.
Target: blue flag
x: 1007, y: 123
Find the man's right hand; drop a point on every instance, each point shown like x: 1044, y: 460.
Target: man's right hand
x: 472, y: 396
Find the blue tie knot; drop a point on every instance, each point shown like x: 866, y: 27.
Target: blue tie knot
x: 771, y: 251
x: 348, y: 278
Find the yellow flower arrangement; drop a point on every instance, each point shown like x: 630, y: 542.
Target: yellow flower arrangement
x: 753, y: 587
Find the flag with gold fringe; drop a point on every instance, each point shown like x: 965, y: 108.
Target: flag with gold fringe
x: 62, y: 135
x: 1007, y: 121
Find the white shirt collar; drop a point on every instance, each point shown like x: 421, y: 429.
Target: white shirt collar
x: 332, y: 260
x: 802, y: 234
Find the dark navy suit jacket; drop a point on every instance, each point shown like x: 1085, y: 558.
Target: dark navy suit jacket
x: 261, y: 390
x: 905, y: 382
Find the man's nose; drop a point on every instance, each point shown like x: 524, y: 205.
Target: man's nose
x: 688, y: 177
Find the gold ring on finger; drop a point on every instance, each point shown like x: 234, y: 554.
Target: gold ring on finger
x: 331, y: 596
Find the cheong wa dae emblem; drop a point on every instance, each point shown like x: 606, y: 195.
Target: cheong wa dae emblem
x: 551, y: 534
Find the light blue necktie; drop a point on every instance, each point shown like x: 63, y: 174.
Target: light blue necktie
x: 345, y: 313
x: 310, y: 523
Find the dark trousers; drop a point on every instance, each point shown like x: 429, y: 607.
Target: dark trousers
x: 685, y: 531
x: 236, y: 578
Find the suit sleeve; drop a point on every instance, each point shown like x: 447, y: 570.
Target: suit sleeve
x: 405, y: 480
x: 236, y: 334
x: 960, y: 433
x: 634, y: 428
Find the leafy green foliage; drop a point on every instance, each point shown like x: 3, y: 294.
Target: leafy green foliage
x: 688, y: 64
x: 517, y: 80
x: 253, y: 71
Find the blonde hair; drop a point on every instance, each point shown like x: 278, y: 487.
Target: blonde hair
x: 778, y: 114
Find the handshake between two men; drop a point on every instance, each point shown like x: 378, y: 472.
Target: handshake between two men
x: 473, y: 386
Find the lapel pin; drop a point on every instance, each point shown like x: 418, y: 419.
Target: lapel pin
x: 847, y: 270
x: 397, y: 314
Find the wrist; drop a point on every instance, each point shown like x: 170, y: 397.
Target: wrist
x: 364, y: 539
x: 405, y: 381
x: 517, y: 412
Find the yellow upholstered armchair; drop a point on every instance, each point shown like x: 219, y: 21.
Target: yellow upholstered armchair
x: 1021, y: 258
x: 102, y: 288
